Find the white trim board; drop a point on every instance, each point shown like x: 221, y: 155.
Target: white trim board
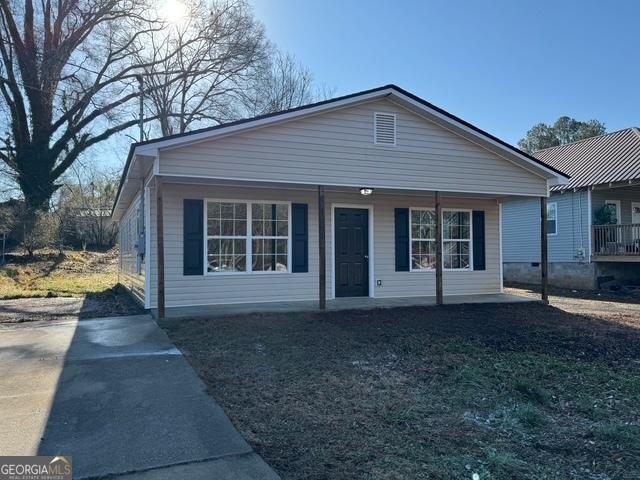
x: 356, y: 186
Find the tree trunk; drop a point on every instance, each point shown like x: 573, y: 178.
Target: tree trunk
x: 35, y: 181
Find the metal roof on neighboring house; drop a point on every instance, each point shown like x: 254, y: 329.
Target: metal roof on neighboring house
x: 609, y: 158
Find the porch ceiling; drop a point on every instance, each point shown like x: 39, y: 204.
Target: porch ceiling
x: 328, y: 188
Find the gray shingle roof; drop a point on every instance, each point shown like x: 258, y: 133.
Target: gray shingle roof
x: 609, y: 158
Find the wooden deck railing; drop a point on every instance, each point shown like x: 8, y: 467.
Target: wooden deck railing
x: 616, y: 240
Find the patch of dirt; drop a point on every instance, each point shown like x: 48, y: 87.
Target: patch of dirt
x: 504, y: 391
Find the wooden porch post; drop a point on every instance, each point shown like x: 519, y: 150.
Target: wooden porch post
x: 322, y: 260
x: 160, y: 246
x: 544, y: 260
x: 439, y: 299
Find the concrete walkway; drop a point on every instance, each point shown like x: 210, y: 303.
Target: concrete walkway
x: 117, y: 396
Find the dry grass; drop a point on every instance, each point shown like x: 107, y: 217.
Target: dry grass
x: 50, y: 275
x: 502, y: 391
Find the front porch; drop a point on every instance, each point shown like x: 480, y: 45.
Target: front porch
x: 334, y: 304
x: 615, y: 232
x: 616, y: 243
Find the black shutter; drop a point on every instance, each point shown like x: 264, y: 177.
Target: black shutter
x: 402, y: 239
x: 300, y: 240
x: 193, y: 226
x: 479, y: 262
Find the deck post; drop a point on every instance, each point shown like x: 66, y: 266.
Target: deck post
x: 544, y: 257
x: 439, y: 295
x: 322, y: 251
x: 160, y: 246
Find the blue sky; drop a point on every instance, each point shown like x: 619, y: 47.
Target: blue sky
x: 501, y: 65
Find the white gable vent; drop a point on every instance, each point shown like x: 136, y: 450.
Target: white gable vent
x: 384, y: 128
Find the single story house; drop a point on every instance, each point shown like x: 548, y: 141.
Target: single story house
x: 378, y: 194
x: 594, y: 219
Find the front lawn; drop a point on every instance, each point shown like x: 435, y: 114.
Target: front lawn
x: 49, y: 274
x: 501, y: 391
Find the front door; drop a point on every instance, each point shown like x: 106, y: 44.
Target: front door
x: 352, y: 252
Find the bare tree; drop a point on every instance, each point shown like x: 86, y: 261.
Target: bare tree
x: 220, y: 48
x: 84, y: 207
x: 284, y: 83
x: 67, y: 79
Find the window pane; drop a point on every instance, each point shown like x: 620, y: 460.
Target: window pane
x: 239, y: 247
x: 256, y: 211
x: 281, y: 247
x: 456, y: 225
x: 257, y: 228
x: 240, y: 228
x: 551, y: 226
x: 226, y: 228
x: 213, y: 210
x: 214, y: 246
x: 281, y: 263
x: 240, y: 211
x: 226, y: 211
x: 282, y: 212
x: 456, y: 255
x: 241, y: 263
x: 422, y: 224
x: 268, y: 228
x: 423, y: 255
x: 282, y: 228
x: 226, y: 247
x: 257, y: 247
x: 213, y: 227
x: 257, y: 263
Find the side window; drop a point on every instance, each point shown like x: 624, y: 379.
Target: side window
x: 552, y: 218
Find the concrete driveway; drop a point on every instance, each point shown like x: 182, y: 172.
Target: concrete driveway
x: 117, y: 396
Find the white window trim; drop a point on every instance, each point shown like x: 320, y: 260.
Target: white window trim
x: 375, y: 129
x: 432, y: 209
x: 411, y: 239
x: 248, y: 238
x: 555, y: 206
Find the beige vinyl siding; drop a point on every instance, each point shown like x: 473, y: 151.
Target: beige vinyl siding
x: 239, y: 288
x: 128, y: 271
x: 337, y: 148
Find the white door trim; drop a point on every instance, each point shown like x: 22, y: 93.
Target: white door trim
x: 332, y: 294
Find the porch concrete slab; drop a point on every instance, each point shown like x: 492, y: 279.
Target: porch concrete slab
x: 117, y: 396
x: 346, y: 303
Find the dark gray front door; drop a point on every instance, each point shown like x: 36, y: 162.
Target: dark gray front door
x: 352, y: 252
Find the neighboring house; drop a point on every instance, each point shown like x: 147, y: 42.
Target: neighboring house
x: 240, y: 205
x: 594, y: 220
